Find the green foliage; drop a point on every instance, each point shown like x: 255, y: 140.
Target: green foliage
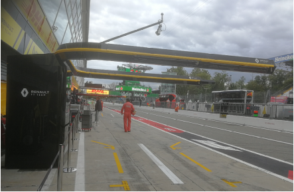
x: 220, y: 79
x: 279, y: 80
x: 201, y: 74
x: 181, y: 89
x: 179, y: 70
x: 240, y: 84
x: 254, y: 85
x: 260, y: 83
x: 233, y: 86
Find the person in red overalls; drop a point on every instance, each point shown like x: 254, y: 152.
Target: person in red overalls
x: 127, y: 109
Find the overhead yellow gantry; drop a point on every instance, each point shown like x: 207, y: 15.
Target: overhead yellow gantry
x: 123, y: 53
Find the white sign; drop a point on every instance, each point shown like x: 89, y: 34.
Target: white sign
x: 214, y: 145
x: 138, y: 89
x: 283, y: 58
x: 24, y: 92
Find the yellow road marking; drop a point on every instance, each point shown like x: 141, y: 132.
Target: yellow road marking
x: 109, y: 146
x: 174, y: 148
x: 125, y: 185
x: 102, y: 114
x: 231, y: 183
x: 195, y: 162
x: 120, y: 169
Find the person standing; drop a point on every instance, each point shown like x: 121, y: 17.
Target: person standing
x: 126, y: 110
x: 98, y: 107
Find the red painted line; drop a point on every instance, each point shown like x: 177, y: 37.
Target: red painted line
x: 290, y: 175
x: 155, y: 124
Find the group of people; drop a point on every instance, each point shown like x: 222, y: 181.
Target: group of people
x: 127, y: 110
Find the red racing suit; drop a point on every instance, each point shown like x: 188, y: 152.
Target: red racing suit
x: 127, y: 110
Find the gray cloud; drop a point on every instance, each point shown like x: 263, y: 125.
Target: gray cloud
x: 250, y: 28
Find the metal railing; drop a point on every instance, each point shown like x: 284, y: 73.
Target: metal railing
x: 59, y: 174
x: 71, y: 136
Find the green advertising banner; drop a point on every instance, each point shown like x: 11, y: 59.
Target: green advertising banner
x: 68, y: 82
x: 114, y: 93
x: 133, y: 88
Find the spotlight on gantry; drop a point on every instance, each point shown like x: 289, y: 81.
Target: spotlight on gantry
x: 158, y: 30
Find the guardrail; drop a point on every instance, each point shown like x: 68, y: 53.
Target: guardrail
x: 71, y: 136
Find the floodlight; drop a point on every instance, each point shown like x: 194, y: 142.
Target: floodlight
x: 158, y: 30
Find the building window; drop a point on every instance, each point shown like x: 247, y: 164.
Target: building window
x: 67, y: 36
x: 50, y: 8
x: 60, y: 23
x: 10, y: 8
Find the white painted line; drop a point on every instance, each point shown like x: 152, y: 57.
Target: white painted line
x: 195, y: 117
x: 80, y: 174
x: 164, y: 169
x: 216, y: 141
x: 240, y: 124
x: 111, y: 114
x: 214, y: 145
x: 228, y: 130
x: 250, y: 165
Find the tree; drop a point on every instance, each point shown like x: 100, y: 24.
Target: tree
x: 202, y: 74
x: 181, y: 89
x: 240, y: 84
x: 112, y: 85
x: 88, y: 82
x: 279, y: 78
x: 179, y: 70
x: 233, y: 86
x: 255, y: 86
x: 220, y: 80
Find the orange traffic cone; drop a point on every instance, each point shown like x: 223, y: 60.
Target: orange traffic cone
x: 177, y: 108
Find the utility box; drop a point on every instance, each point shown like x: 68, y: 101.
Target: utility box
x: 36, y: 108
x: 87, y: 120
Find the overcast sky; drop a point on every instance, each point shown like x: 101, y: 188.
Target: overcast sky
x: 249, y: 28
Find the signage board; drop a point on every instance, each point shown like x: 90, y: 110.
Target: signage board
x: 282, y: 58
x: 133, y: 88
x: 129, y: 94
x: 279, y: 99
x: 97, y: 91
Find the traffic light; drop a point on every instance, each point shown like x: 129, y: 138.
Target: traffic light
x: 255, y: 113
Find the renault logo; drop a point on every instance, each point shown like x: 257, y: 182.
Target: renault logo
x: 24, y: 92
x: 256, y: 60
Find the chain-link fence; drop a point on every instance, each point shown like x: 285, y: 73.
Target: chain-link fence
x: 258, y: 97
x: 195, y: 103
x: 261, y: 106
x: 273, y: 111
